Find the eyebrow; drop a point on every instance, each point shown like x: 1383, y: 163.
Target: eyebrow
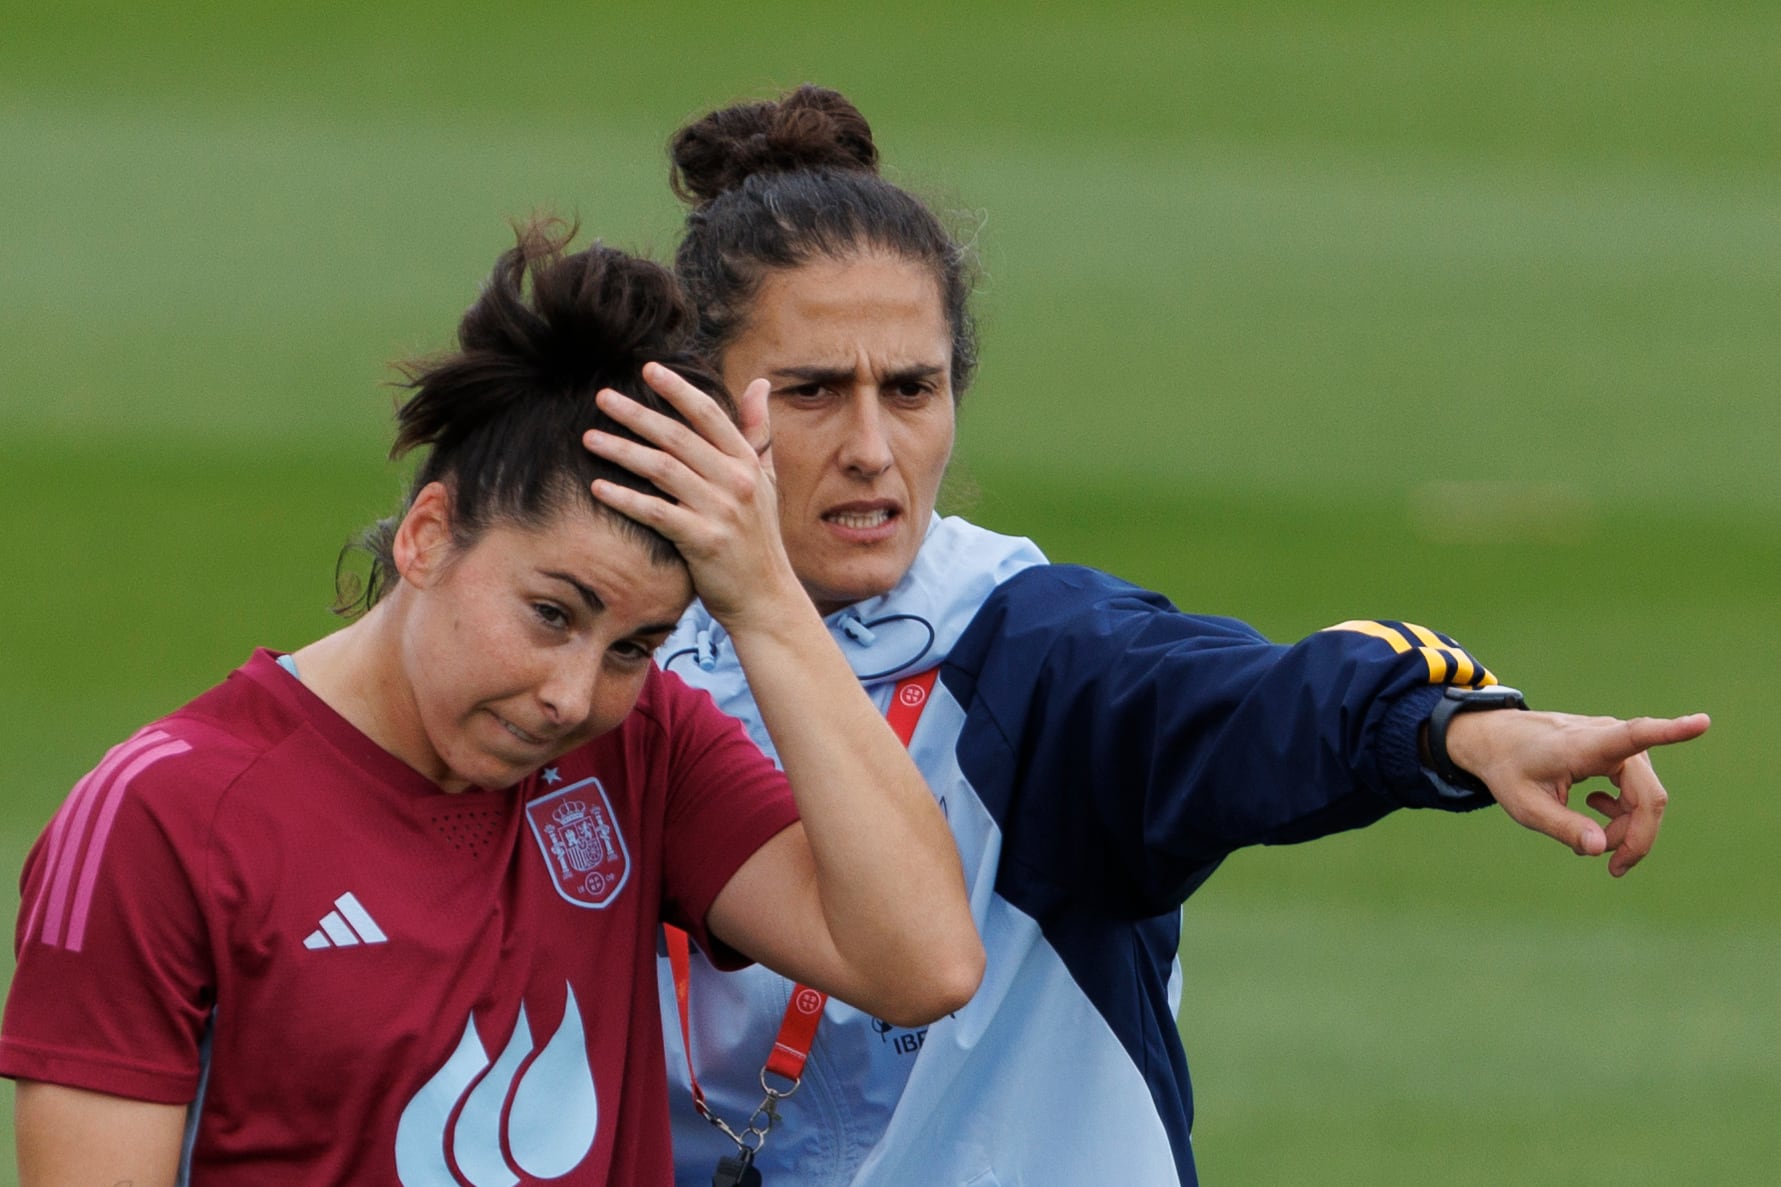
x: 820, y: 373
x: 598, y: 606
x: 588, y: 596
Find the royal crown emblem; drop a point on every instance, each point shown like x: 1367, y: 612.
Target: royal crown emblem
x: 578, y: 836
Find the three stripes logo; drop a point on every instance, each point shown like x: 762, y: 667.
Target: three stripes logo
x: 346, y: 926
x: 77, y: 840
x: 1448, y: 662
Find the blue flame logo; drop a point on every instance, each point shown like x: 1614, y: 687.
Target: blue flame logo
x: 546, y: 1107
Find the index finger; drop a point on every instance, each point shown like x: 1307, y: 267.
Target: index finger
x: 1667, y: 731
x: 1624, y: 739
x: 703, y: 412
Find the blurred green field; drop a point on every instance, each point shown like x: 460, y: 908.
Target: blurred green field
x: 1466, y: 314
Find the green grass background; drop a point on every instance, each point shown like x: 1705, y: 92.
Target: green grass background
x: 1463, y: 313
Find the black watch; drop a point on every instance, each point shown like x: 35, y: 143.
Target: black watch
x: 1456, y: 700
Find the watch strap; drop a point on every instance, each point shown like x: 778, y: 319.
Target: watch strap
x: 1454, y: 701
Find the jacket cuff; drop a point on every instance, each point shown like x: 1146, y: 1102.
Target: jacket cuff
x: 1406, y: 779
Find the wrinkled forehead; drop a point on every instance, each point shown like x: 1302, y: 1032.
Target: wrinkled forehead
x: 592, y: 549
x: 834, y: 311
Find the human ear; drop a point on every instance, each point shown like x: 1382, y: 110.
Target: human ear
x: 423, y: 538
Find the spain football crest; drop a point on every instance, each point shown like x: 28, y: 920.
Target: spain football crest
x: 577, y: 833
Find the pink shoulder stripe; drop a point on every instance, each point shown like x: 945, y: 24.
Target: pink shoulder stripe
x: 53, y: 847
x: 89, y: 874
x: 64, y: 842
x: 107, y: 783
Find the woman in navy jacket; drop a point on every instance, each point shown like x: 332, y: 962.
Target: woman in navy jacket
x: 1098, y: 752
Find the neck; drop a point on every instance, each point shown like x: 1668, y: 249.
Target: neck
x: 357, y: 672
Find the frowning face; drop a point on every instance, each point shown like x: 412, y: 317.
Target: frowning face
x: 527, y: 642
x: 859, y: 354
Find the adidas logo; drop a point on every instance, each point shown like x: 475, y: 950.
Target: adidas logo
x: 350, y: 924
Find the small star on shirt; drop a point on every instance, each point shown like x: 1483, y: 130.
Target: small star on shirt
x: 551, y: 776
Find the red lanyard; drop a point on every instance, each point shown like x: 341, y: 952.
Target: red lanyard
x: 797, y: 1031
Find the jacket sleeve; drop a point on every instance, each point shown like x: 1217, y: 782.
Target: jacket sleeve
x: 1125, y: 748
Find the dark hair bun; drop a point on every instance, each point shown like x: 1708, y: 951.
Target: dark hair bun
x: 548, y: 324
x: 591, y: 315
x: 810, y: 128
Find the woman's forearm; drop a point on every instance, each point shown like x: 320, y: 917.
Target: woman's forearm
x: 69, y: 1137
x: 885, y: 872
